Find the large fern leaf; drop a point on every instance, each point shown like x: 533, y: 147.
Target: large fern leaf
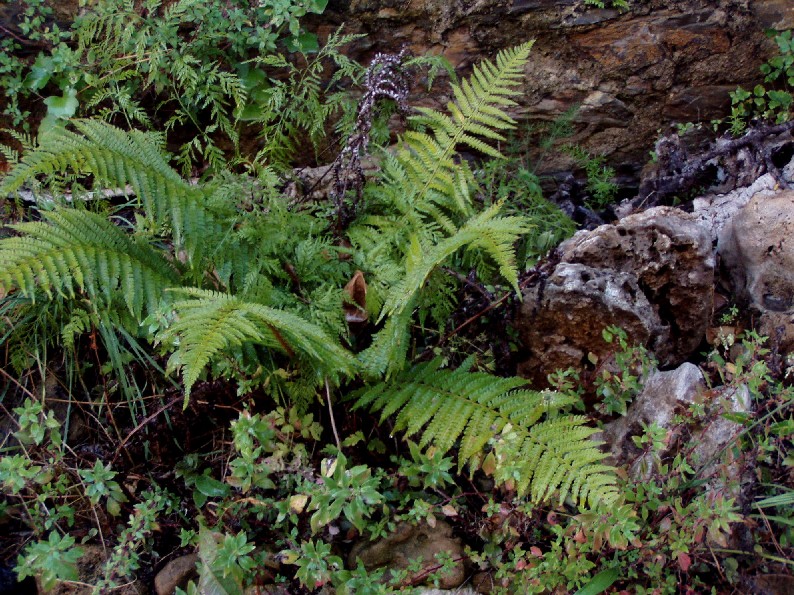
x: 119, y: 158
x: 476, y: 116
x: 553, y: 457
x: 211, y: 322
x: 423, y: 209
x: 72, y: 249
x: 495, y: 235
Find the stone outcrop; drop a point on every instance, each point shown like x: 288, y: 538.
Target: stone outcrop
x: 632, y: 74
x: 665, y: 396
x: 651, y: 274
x: 757, y: 252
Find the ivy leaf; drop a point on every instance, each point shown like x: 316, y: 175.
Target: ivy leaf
x: 40, y: 73
x: 59, y: 109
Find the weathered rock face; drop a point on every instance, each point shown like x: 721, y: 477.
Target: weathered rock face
x: 651, y: 274
x: 665, y: 395
x: 757, y: 252
x: 632, y: 74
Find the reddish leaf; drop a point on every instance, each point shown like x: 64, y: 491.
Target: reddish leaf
x: 356, y: 290
x: 684, y: 561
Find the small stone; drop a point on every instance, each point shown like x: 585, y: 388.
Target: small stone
x: 410, y: 543
x: 175, y: 574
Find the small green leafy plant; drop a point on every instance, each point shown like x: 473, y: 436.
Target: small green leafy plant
x: 775, y: 104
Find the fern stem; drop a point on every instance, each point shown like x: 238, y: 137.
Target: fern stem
x: 331, y: 414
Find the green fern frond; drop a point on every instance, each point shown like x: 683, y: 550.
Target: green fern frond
x: 496, y: 235
x: 471, y: 409
x: 477, y: 112
x: 83, y: 249
x: 119, y: 158
x: 213, y: 322
x: 423, y: 206
x: 387, y: 354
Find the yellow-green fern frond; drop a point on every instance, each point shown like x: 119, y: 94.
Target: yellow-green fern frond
x: 387, y: 354
x: 78, y: 249
x: 493, y: 234
x: 475, y: 117
x: 212, y: 322
x: 552, y: 458
x: 119, y: 158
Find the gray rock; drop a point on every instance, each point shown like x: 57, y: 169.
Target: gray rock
x: 715, y: 211
x: 712, y: 439
x: 757, y: 252
x: 663, y: 395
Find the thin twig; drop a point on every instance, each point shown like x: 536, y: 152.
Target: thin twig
x: 15, y: 381
x: 331, y: 413
x: 141, y: 425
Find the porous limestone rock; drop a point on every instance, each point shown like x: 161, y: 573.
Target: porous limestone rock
x: 663, y: 394
x: 651, y: 274
x: 410, y: 543
x: 562, y: 319
x: 757, y: 252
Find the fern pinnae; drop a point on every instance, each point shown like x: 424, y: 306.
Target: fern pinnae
x: 555, y: 456
x: 71, y: 246
x: 474, y: 110
x: 211, y: 322
x: 122, y: 158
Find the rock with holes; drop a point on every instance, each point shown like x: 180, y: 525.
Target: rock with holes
x: 757, y: 252
x: 651, y: 274
x: 562, y: 319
